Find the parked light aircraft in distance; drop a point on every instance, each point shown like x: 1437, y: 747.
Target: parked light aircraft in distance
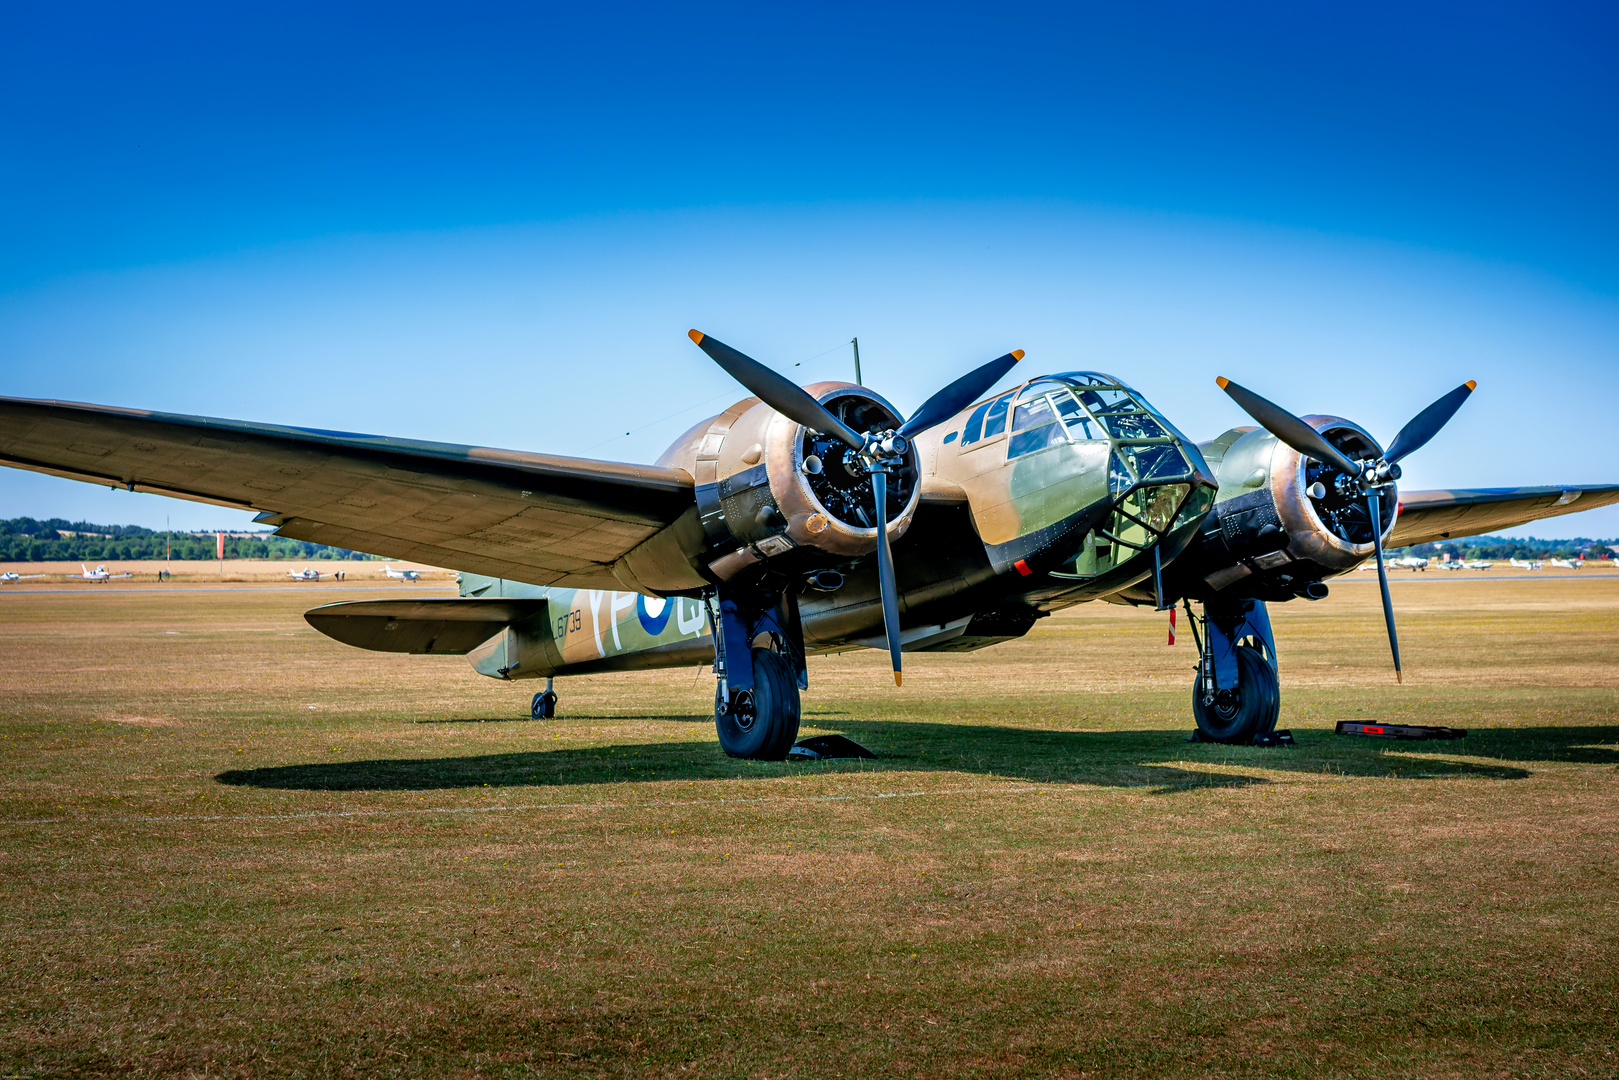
x: 100, y: 573
x: 1522, y: 565
x: 804, y: 521
x: 1567, y: 564
x: 11, y: 575
x: 1410, y: 562
x: 306, y: 574
x: 400, y: 575
x: 1479, y: 564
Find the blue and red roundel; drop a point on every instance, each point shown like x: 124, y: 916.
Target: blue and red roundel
x: 654, y: 612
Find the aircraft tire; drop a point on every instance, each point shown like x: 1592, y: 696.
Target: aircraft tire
x: 774, y: 726
x: 544, y: 705
x: 1252, y: 710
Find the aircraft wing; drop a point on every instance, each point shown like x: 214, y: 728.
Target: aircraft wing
x: 537, y: 518
x: 1430, y: 516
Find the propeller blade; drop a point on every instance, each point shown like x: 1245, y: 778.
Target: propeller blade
x: 1288, y: 428
x: 1426, y: 424
x: 959, y: 394
x: 1372, y: 504
x: 777, y: 391
x: 885, y: 571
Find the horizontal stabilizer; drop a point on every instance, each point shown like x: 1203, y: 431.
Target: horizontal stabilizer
x: 448, y: 627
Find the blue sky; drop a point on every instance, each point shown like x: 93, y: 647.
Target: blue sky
x: 496, y: 226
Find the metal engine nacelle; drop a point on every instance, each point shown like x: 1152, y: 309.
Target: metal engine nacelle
x: 771, y: 491
x: 1280, y: 524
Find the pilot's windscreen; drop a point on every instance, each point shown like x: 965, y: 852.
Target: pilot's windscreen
x: 1034, y: 427
x: 1079, y: 423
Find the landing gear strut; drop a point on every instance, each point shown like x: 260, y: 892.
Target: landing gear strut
x: 544, y: 705
x: 1237, y: 694
x: 756, y: 710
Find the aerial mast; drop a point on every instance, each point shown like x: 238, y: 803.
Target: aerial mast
x: 856, y: 343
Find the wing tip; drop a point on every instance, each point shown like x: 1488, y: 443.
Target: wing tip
x: 696, y: 336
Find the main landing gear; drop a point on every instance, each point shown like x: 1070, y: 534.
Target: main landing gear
x: 759, y: 670
x: 544, y: 705
x: 1237, y: 694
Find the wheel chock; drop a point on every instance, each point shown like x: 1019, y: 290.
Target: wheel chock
x: 1268, y: 738
x: 828, y: 746
x: 1399, y: 731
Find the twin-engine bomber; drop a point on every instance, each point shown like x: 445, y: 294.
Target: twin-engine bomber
x: 810, y: 520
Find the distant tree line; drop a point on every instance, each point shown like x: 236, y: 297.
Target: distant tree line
x: 1513, y: 547
x: 30, y: 540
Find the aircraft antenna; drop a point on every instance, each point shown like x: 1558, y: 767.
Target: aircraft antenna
x: 856, y: 343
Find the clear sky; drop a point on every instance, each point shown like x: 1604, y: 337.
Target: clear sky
x: 495, y: 226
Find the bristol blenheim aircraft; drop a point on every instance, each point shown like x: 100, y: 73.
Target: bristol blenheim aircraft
x: 805, y: 521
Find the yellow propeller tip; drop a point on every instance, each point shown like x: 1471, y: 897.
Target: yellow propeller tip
x: 1471, y: 384
x: 1017, y: 354
x: 896, y: 678
x: 1221, y: 381
x: 695, y: 335
x: 1399, y: 676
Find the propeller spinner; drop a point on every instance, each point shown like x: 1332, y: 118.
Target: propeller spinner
x: 879, y: 452
x: 1368, y: 478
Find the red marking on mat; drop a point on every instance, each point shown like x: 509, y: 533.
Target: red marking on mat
x: 1023, y: 568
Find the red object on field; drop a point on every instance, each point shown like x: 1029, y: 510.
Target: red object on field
x: 219, y: 544
x: 1171, y: 626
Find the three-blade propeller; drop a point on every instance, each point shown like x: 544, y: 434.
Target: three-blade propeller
x: 1368, y: 478
x: 879, y: 451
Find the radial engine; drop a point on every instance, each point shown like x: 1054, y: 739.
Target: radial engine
x: 1282, y: 522
x: 771, y: 493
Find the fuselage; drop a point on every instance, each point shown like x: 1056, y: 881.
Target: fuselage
x: 1065, y: 489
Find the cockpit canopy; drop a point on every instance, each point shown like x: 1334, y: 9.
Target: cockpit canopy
x: 1154, y: 472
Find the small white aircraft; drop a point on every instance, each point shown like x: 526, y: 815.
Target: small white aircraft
x: 100, y: 573
x: 1536, y: 565
x: 1454, y: 564
x: 1567, y: 564
x: 400, y: 575
x: 11, y: 575
x: 305, y: 574
x: 1409, y: 562
x: 1478, y: 564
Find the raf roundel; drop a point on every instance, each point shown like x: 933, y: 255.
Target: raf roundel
x: 654, y: 612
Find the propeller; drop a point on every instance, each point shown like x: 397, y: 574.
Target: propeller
x: 1369, y: 478
x: 879, y: 451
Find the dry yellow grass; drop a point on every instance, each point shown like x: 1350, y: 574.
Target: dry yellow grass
x: 233, y: 847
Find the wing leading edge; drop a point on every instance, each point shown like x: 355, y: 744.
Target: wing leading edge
x: 1430, y: 516
x: 537, y: 518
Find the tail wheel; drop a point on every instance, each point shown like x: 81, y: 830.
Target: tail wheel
x: 1252, y: 708
x: 768, y: 734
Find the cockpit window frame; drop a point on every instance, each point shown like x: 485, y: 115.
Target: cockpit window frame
x: 996, y: 411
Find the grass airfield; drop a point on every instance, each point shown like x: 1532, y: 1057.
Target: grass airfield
x: 232, y: 847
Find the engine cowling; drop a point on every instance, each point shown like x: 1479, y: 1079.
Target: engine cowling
x: 771, y: 492
x: 1280, y: 524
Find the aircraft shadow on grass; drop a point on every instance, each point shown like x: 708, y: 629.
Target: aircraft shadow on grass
x: 1160, y: 760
